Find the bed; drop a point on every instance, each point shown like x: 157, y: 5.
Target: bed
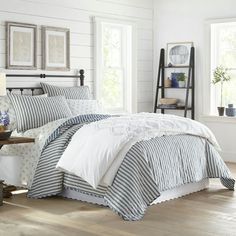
x: 153, y: 159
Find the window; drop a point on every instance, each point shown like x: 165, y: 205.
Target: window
x: 223, y: 52
x: 115, y: 65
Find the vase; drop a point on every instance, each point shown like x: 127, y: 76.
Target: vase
x: 182, y: 84
x: 221, y: 111
x: 174, y: 80
x: 230, y: 111
x: 2, y: 128
x: 167, y: 83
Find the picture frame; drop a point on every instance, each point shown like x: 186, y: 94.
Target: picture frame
x: 178, y: 54
x: 21, y: 46
x: 55, y: 48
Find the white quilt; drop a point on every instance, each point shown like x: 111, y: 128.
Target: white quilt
x: 97, y: 149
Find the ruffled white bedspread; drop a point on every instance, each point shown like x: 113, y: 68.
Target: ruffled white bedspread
x: 97, y: 149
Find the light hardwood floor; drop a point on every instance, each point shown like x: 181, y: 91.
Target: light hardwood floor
x: 209, y: 212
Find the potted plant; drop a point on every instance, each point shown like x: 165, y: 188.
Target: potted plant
x: 220, y: 76
x: 181, y: 80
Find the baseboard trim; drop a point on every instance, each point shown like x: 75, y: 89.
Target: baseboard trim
x: 228, y: 156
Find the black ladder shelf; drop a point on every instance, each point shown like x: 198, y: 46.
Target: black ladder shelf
x: 190, y: 84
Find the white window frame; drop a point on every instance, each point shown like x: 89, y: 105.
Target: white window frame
x: 131, y: 102
x: 208, y: 102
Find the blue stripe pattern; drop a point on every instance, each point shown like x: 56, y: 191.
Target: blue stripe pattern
x: 149, y: 168
x: 77, y: 92
x: 34, y: 111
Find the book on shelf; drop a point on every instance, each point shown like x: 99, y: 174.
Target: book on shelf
x: 168, y: 106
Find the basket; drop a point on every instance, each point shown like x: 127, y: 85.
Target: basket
x: 168, y: 101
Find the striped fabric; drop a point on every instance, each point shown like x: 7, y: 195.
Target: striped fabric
x: 79, y: 92
x: 47, y: 180
x: 149, y: 167
x: 166, y: 163
x: 6, y: 105
x: 32, y: 112
x: 78, y: 184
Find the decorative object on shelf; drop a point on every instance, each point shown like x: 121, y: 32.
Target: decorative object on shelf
x: 230, y: 111
x: 169, y: 65
x: 21, y: 46
x: 168, y: 101
x: 3, y: 90
x: 178, y: 54
x: 55, y: 48
x: 167, y: 83
x: 181, y: 80
x: 175, y: 79
x: 167, y: 106
x: 220, y: 75
x: 180, y: 105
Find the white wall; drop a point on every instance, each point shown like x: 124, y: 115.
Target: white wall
x: 184, y: 20
x: 77, y: 15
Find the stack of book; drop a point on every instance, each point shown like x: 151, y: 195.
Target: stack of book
x: 168, y: 106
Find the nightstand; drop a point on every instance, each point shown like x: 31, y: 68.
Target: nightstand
x: 16, y: 140
x: 5, y: 191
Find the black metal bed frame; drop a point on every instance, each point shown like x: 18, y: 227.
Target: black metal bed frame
x: 80, y: 76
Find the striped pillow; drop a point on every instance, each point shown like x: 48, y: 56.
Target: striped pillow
x: 5, y: 105
x: 79, y: 92
x: 33, y: 112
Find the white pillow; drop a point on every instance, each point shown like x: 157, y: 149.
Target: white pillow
x: 82, y: 107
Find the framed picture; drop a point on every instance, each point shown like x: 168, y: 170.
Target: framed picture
x: 21, y: 46
x: 55, y: 48
x: 178, y: 54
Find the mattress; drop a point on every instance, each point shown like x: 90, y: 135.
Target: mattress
x: 165, y: 195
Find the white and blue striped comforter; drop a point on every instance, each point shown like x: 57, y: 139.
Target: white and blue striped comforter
x: 149, y: 167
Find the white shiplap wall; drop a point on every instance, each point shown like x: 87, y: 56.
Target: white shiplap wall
x: 77, y: 15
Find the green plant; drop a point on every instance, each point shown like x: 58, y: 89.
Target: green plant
x: 220, y: 75
x: 181, y: 77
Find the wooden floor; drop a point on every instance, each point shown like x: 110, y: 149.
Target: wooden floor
x: 209, y: 212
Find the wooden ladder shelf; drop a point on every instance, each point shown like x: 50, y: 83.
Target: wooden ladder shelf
x: 190, y: 85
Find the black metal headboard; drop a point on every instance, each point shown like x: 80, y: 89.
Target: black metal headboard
x: 80, y: 76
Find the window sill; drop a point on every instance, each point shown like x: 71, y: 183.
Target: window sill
x: 218, y: 119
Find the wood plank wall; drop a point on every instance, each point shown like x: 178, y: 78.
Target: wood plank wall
x: 77, y: 15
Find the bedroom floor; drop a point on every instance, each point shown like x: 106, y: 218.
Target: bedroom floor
x: 209, y: 212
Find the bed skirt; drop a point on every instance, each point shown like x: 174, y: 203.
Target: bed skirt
x: 165, y: 196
